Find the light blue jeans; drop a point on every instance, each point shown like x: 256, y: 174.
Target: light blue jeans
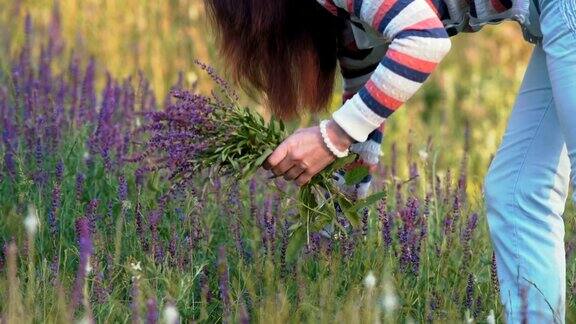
x: 527, y: 185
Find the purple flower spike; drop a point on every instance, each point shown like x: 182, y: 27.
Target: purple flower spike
x: 79, y: 186
x: 59, y: 171
x: 157, y: 250
x: 54, y: 208
x: 385, y: 223
x: 135, y: 304
x: 122, y: 188
x: 152, y: 313
x: 494, y: 275
x: 85, y: 246
x: 469, y: 292
x: 224, y: 283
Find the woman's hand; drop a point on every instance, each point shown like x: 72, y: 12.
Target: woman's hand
x: 303, y: 154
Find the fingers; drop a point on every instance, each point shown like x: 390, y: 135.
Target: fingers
x: 282, y: 167
x: 304, y: 178
x: 294, y: 172
x: 276, y: 157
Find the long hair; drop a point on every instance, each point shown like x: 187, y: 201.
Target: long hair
x: 283, y: 49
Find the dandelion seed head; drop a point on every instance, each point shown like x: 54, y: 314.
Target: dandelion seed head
x: 491, y: 319
x: 170, y: 314
x: 423, y: 155
x: 370, y: 281
x: 390, y: 299
x: 31, y: 221
x: 88, y: 266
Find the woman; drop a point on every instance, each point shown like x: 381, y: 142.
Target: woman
x: 289, y: 49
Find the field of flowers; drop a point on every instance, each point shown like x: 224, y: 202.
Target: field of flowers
x: 87, y: 236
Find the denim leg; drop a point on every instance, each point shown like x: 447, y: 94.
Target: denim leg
x: 526, y: 189
x: 558, y: 24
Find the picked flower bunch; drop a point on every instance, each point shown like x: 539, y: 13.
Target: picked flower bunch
x: 213, y: 134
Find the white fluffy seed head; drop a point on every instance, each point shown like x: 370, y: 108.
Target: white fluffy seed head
x: 31, y: 222
x: 171, y: 315
x: 423, y: 155
x: 491, y: 319
x: 390, y: 299
x: 370, y: 280
x: 88, y: 266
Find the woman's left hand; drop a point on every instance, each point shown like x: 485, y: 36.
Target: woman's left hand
x: 303, y: 154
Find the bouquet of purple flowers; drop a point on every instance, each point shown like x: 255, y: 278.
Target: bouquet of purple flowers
x: 199, y: 134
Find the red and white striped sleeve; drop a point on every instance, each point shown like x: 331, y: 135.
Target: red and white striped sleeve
x: 418, y: 42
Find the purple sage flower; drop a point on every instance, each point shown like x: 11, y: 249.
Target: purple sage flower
x: 223, y: 283
x: 83, y: 236
x: 152, y: 313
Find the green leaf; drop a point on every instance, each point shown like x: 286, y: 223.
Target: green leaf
x: 340, y: 163
x: 368, y: 201
x: 263, y: 157
x: 350, y: 214
x: 297, y: 241
x: 356, y: 175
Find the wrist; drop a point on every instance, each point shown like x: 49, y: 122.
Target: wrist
x: 338, y: 136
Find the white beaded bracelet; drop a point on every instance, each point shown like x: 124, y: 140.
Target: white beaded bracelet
x: 331, y: 147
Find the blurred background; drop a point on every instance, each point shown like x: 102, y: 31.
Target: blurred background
x: 475, y: 86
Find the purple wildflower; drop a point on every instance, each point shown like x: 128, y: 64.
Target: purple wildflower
x: 55, y: 42
x: 252, y: 192
x: 477, y: 307
x: 456, y: 212
x: 54, y: 208
x: 467, y: 235
x: 152, y: 313
x: 88, y: 95
x: 223, y: 283
x: 157, y: 251
x: 59, y: 171
x: 205, y: 287
x: 122, y: 188
x: 79, y: 186
x: 91, y: 213
x: 494, y: 275
x: 223, y: 84
x: 283, y: 249
x: 138, y: 219
x: 468, y: 299
x: 135, y: 303
x: 524, y: 304
x: 447, y: 183
x: 244, y: 317
x: 85, y: 247
x: 385, y: 223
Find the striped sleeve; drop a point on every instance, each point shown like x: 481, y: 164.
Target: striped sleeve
x: 356, y: 65
x: 418, y: 42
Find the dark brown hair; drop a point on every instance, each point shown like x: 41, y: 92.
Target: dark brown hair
x: 283, y: 49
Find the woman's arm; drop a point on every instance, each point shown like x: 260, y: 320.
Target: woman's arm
x: 418, y: 42
x: 356, y: 64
